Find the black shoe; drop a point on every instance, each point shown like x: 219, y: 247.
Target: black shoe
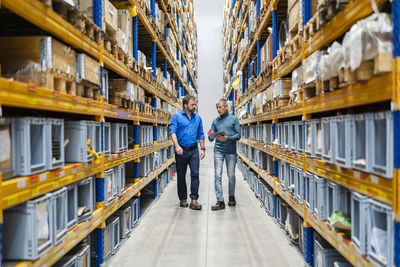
x: 232, y: 201
x: 219, y: 206
x: 195, y: 206
x: 183, y: 204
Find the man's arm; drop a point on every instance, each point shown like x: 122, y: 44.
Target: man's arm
x: 236, y: 135
x: 172, y: 131
x: 201, y: 140
x: 212, y: 129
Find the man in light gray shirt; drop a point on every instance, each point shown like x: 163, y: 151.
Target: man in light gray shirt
x: 226, y: 129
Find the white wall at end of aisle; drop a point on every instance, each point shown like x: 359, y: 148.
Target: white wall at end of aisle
x: 209, y: 18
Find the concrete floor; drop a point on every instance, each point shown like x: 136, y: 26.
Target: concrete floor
x: 238, y: 236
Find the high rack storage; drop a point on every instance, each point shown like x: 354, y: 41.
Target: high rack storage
x: 79, y: 79
x: 324, y: 75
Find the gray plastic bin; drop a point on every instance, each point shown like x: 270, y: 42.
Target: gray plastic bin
x: 55, y: 143
x: 125, y: 217
x: 382, y: 144
x: 281, y: 171
x: 292, y: 177
x: 29, y: 145
x: 97, y: 139
x: 299, y: 132
x: 319, y: 138
x: 120, y: 179
x: 292, y: 136
x: 310, y: 137
x: 299, y: 185
x: 77, y: 133
x: 320, y: 197
x: 115, y: 233
x: 361, y: 142
x: 269, y: 201
x: 380, y: 233
x: 343, y: 146
x: 286, y: 137
x: 134, y: 204
x: 119, y: 137
x: 309, y: 191
x: 85, y: 199
x: 72, y: 195
x: 28, y: 229
x: 324, y: 254
x: 108, y: 240
x: 338, y: 198
x: 110, y: 186
x: 282, y: 215
x: 107, y: 138
x: 302, y: 246
x: 66, y: 261
x: 359, y: 221
x: 279, y: 134
x: 59, y: 200
x: 83, y: 256
x: 328, y: 141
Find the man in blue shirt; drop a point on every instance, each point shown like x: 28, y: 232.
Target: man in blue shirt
x: 186, y: 130
x: 226, y: 127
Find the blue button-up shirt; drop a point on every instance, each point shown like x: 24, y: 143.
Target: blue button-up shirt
x: 188, y: 131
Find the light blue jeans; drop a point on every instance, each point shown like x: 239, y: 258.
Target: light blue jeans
x: 230, y: 160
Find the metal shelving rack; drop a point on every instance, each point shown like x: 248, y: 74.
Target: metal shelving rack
x: 25, y: 96
x: 383, y: 88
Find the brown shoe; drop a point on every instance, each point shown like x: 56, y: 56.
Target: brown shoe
x: 194, y: 205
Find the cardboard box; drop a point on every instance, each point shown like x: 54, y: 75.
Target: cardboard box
x: 294, y: 17
x: 50, y: 54
x: 87, y: 69
x: 111, y: 16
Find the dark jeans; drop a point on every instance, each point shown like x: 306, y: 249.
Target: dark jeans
x: 192, y: 159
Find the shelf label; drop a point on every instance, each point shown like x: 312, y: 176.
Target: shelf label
x: 374, y: 179
x: 357, y: 174
x: 21, y: 184
x: 43, y: 177
x: 61, y: 174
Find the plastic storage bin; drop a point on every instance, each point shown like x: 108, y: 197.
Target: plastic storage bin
x: 59, y: 202
x: 299, y: 132
x: 97, y: 140
x: 115, y: 234
x: 328, y: 140
x: 108, y: 240
x: 72, y: 197
x: 134, y: 204
x: 77, y: 133
x: 286, y: 177
x: 66, y: 261
x: 359, y: 220
x: 319, y: 138
x: 286, y: 137
x: 281, y: 171
x: 380, y: 233
x: 107, y: 138
x: 309, y: 190
x: 6, y: 161
x: 85, y: 199
x: 54, y: 143
x: 320, y: 197
x: 324, y: 254
x: 292, y: 177
x: 110, y: 186
x: 310, y: 137
x: 120, y: 178
x: 382, y: 144
x: 119, y: 137
x: 343, y: 149
x: 302, y: 246
x: 29, y: 145
x: 338, y: 198
x: 299, y: 185
x: 282, y: 214
x: 361, y: 142
x: 28, y: 229
x: 125, y: 218
x: 279, y: 134
x: 292, y: 137
x: 83, y: 256
x: 269, y: 201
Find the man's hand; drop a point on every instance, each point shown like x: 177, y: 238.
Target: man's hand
x: 210, y: 132
x: 178, y: 150
x: 202, y: 154
x: 221, y: 137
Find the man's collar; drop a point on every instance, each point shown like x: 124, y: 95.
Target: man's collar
x: 224, y: 115
x: 183, y: 112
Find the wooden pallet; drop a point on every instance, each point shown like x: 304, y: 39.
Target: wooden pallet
x: 312, y: 26
x: 119, y: 54
x: 88, y: 90
x: 329, y: 8
x: 79, y: 20
x: 310, y: 90
x: 63, y: 82
x: 279, y: 102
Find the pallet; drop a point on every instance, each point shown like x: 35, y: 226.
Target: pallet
x: 279, y: 102
x: 312, y: 26
x: 79, y: 20
x: 63, y: 82
x: 88, y: 90
x: 310, y: 90
x: 329, y: 8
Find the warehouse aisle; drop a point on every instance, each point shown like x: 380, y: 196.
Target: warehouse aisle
x: 240, y: 236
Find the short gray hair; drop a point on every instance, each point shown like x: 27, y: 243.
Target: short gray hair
x: 222, y: 101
